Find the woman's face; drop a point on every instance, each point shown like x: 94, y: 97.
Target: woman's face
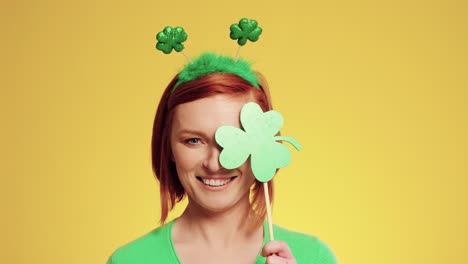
x: 196, y: 153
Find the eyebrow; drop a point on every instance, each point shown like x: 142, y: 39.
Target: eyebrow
x: 192, y: 132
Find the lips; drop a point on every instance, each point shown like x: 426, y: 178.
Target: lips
x: 215, y: 182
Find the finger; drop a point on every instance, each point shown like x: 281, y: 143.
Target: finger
x: 279, y: 248
x: 279, y: 260
x: 276, y: 260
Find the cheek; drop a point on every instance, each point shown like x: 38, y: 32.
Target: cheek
x: 247, y: 171
x: 246, y: 168
x: 186, y: 160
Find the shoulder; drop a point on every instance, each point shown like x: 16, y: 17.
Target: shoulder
x: 305, y: 248
x: 153, y: 246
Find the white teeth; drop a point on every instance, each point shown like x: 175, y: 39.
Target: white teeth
x: 215, y: 183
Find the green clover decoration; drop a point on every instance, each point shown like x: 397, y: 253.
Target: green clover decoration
x: 171, y: 38
x: 257, y: 140
x: 246, y: 29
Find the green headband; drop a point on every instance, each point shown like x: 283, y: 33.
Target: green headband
x: 172, y: 39
x: 210, y: 63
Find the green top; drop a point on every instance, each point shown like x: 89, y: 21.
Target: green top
x: 156, y: 247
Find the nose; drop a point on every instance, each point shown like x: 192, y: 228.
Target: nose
x: 211, y: 162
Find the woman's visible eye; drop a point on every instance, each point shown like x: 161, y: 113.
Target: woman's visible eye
x: 193, y: 141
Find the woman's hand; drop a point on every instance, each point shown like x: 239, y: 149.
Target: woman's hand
x: 278, y: 252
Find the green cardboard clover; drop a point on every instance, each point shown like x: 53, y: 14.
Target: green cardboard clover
x: 258, y: 140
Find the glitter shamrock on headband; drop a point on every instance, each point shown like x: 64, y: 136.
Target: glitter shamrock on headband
x: 247, y: 29
x: 171, y: 39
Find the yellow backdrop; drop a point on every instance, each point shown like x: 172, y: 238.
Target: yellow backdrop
x: 376, y: 92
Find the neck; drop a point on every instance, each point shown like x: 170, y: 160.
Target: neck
x: 217, y: 228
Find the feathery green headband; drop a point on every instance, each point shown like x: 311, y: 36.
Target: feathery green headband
x: 172, y: 38
x: 210, y: 63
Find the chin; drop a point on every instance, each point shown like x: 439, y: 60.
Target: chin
x: 221, y: 204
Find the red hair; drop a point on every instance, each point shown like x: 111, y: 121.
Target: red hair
x: 171, y: 190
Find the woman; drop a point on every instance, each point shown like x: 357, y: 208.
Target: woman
x: 221, y: 224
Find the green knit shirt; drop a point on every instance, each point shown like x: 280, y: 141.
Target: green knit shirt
x: 156, y: 247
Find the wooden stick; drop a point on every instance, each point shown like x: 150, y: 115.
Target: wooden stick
x: 267, y: 201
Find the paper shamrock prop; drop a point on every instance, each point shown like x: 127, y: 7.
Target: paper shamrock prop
x: 257, y: 140
x: 171, y: 38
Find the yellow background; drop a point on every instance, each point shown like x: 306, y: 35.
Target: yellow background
x: 376, y: 92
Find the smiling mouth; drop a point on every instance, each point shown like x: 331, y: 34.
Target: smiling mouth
x: 215, y: 182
